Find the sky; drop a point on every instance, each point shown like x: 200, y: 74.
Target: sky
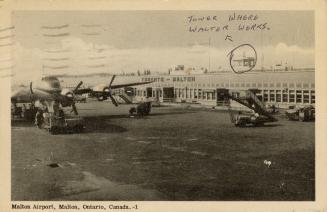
x: 80, y: 42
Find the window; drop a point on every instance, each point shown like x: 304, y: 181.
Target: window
x: 259, y: 95
x: 313, y: 99
x: 292, y: 96
x: 200, y: 94
x: 278, y: 96
x: 306, y: 96
x: 265, y: 95
x: 272, y: 95
x: 285, y: 94
x: 236, y: 94
x: 204, y: 96
x: 298, y: 96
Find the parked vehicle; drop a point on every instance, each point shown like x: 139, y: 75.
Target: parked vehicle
x: 61, y: 124
x: 306, y: 113
x: 141, y: 109
x: 242, y: 120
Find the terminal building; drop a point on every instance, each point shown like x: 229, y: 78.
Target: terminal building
x: 281, y: 88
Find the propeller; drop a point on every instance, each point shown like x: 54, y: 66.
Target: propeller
x: 111, y: 81
x: 107, y: 92
x: 70, y: 95
x: 78, y: 86
x: 32, y: 92
x: 74, y: 109
x: 113, y: 100
x: 31, y: 89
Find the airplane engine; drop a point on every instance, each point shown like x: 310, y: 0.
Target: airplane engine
x: 69, y: 99
x: 69, y: 96
x: 68, y: 93
x: 105, y: 93
x: 101, y: 98
x: 106, y: 90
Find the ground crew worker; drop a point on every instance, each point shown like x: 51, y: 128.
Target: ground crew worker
x: 132, y: 110
x: 23, y: 111
x: 39, y: 118
x: 56, y: 107
x: 14, y: 108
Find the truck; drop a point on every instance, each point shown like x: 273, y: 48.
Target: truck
x: 254, y: 119
x: 306, y: 113
x: 142, y: 109
x: 57, y: 124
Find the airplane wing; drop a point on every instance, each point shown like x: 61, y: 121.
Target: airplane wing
x: 103, y: 91
x: 24, y: 95
x: 129, y: 84
x: 99, y: 88
x: 82, y: 91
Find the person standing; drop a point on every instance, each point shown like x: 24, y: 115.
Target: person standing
x: 39, y: 118
x: 56, y: 108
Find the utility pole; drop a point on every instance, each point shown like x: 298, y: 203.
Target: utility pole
x: 209, y: 53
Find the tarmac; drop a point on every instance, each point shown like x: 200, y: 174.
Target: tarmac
x: 176, y: 153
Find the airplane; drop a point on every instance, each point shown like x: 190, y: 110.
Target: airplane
x: 48, y: 90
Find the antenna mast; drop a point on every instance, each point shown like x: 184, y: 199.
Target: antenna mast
x: 209, y: 44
